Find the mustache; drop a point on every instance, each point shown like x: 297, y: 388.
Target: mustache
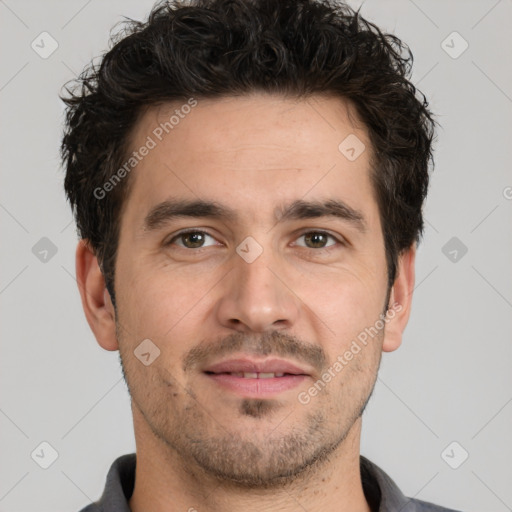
x: 273, y: 343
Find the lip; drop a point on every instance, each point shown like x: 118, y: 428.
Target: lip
x: 220, y: 373
x: 254, y: 366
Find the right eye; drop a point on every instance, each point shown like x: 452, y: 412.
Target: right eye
x: 191, y: 239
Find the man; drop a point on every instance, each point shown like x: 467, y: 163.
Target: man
x: 248, y: 178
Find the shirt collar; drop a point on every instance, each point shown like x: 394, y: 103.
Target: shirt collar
x: 380, y: 490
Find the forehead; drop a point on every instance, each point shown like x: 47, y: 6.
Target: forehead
x: 253, y: 151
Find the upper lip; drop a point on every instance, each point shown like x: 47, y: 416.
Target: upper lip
x: 253, y: 366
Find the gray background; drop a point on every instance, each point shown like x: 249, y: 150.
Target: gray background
x: 450, y: 380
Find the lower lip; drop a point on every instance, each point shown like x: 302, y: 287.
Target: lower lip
x: 256, y: 388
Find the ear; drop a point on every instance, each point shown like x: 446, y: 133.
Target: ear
x: 98, y: 307
x: 400, y: 301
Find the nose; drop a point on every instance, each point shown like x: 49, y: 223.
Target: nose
x: 257, y: 296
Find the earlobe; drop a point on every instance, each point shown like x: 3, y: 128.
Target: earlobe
x: 96, y: 301
x: 400, y: 301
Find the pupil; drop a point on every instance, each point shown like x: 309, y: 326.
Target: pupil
x: 316, y: 239
x: 193, y: 239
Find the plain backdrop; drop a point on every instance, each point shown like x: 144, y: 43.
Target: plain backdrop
x: 450, y: 382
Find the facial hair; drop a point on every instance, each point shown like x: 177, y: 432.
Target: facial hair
x: 259, y: 458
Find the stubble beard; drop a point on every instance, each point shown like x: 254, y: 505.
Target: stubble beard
x: 205, y: 448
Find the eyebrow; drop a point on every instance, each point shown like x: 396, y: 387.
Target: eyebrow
x: 169, y: 210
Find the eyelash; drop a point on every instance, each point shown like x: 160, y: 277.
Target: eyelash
x: 315, y: 231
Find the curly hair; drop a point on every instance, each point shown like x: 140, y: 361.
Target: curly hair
x: 216, y: 48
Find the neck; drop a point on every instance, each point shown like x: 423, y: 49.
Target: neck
x: 165, y: 482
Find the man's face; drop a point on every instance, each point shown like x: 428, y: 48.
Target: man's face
x: 254, y: 292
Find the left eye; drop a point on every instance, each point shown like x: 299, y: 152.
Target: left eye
x: 316, y: 240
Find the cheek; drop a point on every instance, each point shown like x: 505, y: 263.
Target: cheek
x: 351, y: 309
x: 163, y: 305
x: 347, y: 300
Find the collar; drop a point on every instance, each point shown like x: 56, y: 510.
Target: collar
x: 381, y: 492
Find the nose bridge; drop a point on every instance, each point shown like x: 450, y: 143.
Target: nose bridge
x: 255, y: 297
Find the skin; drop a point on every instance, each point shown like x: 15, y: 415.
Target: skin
x: 200, y: 446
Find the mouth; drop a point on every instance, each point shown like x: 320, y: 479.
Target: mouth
x: 252, y: 375
x: 256, y: 379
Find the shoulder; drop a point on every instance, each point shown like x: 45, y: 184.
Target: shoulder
x: 384, y: 495
x: 118, y: 487
x: 92, y: 507
x: 414, y: 505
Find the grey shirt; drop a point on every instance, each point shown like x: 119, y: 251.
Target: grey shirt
x: 380, y: 491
